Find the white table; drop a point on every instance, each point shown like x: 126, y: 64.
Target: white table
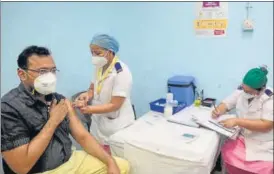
x: 154, y: 145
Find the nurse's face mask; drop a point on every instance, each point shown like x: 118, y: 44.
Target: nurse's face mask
x: 250, y: 93
x: 99, y: 58
x: 248, y: 96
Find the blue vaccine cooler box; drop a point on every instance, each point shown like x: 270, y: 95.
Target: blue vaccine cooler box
x: 183, y: 89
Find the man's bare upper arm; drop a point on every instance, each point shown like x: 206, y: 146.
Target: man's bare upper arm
x: 77, y: 130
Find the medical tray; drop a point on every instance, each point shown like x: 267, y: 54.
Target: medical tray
x: 160, y: 107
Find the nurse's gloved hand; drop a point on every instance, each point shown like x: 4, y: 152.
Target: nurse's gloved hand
x: 79, y: 104
x: 86, y: 110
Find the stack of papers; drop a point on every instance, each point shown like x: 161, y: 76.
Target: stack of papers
x: 214, y: 125
x: 185, y: 116
x: 202, y: 116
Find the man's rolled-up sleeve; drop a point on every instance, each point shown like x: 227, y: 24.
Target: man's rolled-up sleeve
x: 14, y: 132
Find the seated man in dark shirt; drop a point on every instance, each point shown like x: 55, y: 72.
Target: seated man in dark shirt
x: 36, y: 123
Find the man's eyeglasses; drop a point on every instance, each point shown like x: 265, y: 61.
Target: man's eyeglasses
x: 43, y: 71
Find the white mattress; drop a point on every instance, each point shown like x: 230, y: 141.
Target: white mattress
x: 153, y: 145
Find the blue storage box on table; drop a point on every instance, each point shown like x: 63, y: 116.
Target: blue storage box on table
x: 159, y: 106
x: 183, y: 88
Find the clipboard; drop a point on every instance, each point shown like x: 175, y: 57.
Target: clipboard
x: 231, y: 133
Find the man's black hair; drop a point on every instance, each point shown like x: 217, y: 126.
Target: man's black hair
x: 23, y: 57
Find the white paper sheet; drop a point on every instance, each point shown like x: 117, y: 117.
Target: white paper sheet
x: 185, y: 116
x: 214, y: 125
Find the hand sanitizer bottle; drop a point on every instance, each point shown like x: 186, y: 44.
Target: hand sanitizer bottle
x: 168, y: 107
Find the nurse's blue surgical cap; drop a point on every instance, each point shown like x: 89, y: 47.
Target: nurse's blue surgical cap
x: 106, y: 41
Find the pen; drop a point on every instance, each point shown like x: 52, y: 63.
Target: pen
x: 214, y: 106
